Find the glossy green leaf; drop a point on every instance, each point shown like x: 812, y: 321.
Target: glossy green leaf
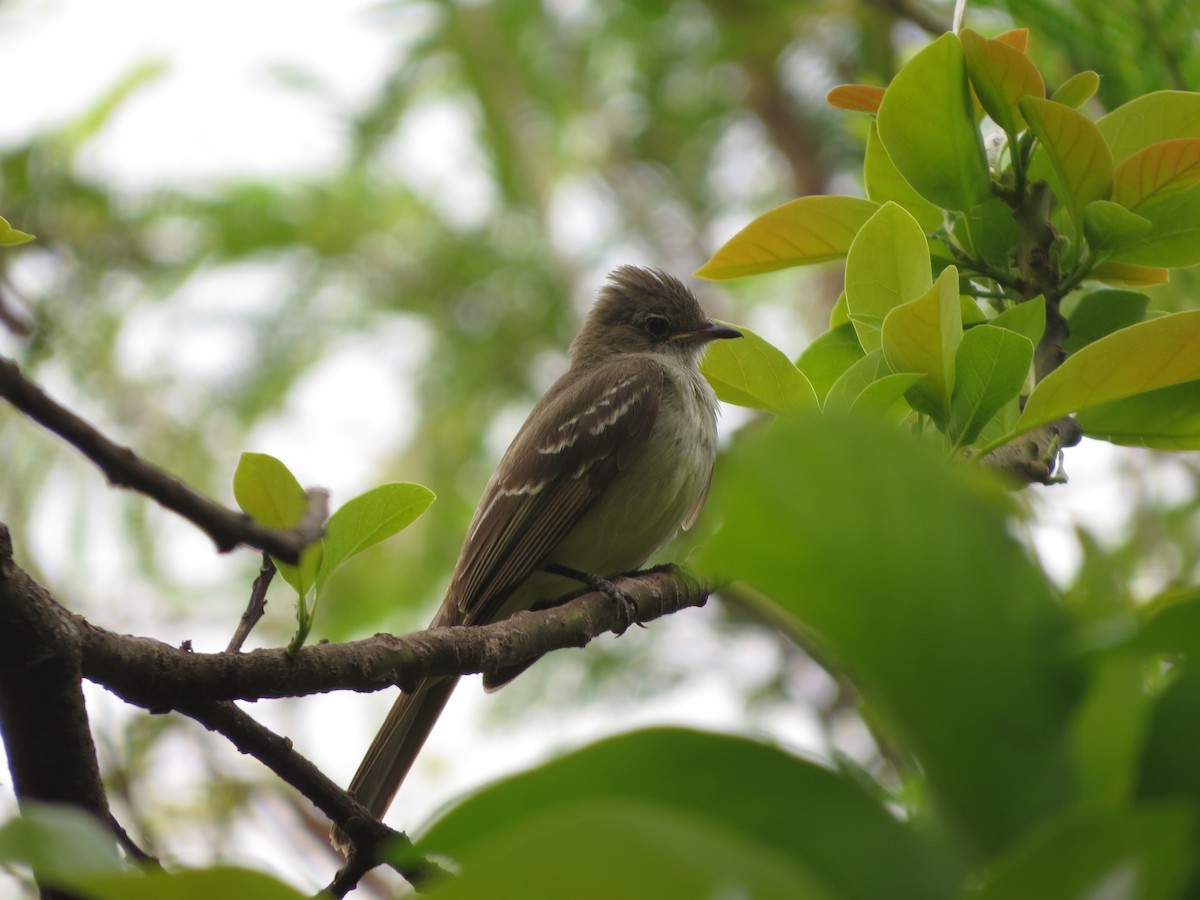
x: 11, y: 237
x: 755, y: 373
x: 888, y: 264
x: 1109, y: 226
x: 1149, y: 119
x: 1027, y: 319
x: 1001, y: 75
x: 1073, y: 156
x: 1165, y: 419
x: 991, y: 366
x: 1154, y: 354
x: 1102, y: 312
x: 851, y: 383
x: 1077, y: 90
x: 368, y: 519
x: 884, y: 182
x: 923, y: 336
x: 825, y: 360
x: 840, y: 833
x: 906, y: 574
x: 927, y: 124
x: 1144, y: 853
x: 269, y: 493
x: 798, y: 233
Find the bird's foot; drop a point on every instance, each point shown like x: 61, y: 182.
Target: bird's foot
x: 626, y: 605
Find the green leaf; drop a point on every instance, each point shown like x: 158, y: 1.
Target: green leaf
x: 927, y: 124
x: 1073, y: 156
x: 1102, y: 312
x: 1174, y: 235
x: 62, y: 844
x: 752, y: 372
x: 1077, y: 90
x: 1161, y: 184
x: 856, y: 379
x: 884, y: 398
x: 923, y: 336
x: 905, y: 573
x: 839, y: 315
x: 884, y: 183
x: 825, y: 359
x: 798, y: 233
x: 1126, y: 274
x: 1165, y: 419
x: 1149, y: 119
x: 1156, y: 172
x: 1155, y: 354
x: 1002, y: 75
x: 1109, y: 226
x: 888, y: 264
x: 1143, y: 853
x: 368, y: 519
x: 11, y: 237
x: 839, y: 833
x: 269, y: 493
x: 1167, y: 768
x: 990, y: 369
x: 189, y: 884
x: 1027, y: 319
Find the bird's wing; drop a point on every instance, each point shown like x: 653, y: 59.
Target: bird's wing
x: 574, y: 443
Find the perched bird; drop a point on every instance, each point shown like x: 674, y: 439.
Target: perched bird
x: 612, y: 461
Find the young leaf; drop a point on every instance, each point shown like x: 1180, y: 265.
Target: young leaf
x: 1077, y: 90
x: 1074, y: 157
x: 1017, y: 38
x: 1134, y: 276
x: 269, y: 493
x: 1109, y: 226
x: 1101, y: 313
x: 1156, y: 172
x: 1027, y: 319
x: 756, y: 374
x: 923, y: 336
x: 1002, y: 75
x: 888, y: 264
x: 825, y: 359
x: 855, y: 97
x: 801, y: 232
x: 1149, y: 119
x: 989, y: 370
x: 927, y: 124
x: 11, y: 237
x: 368, y: 519
x: 1155, y: 354
x: 1166, y: 419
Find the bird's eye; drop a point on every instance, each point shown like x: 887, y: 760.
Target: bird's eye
x: 658, y: 327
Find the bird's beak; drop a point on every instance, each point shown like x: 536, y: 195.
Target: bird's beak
x: 709, y: 331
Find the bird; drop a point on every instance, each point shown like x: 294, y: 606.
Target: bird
x: 614, y: 459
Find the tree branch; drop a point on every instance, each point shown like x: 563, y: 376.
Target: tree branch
x: 124, y: 468
x: 154, y: 675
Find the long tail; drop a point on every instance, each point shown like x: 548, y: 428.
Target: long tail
x: 396, y: 746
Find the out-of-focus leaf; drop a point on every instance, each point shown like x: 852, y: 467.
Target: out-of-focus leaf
x: 368, y: 519
x: 928, y: 127
x: 888, y: 264
x: 798, y: 233
x: 923, y: 336
x: 1130, y: 275
x: 825, y: 359
x: 839, y: 833
x: 1073, y: 155
x: 906, y: 574
x: 1017, y: 38
x: 1102, y: 312
x: 884, y: 182
x: 855, y: 97
x: 1149, y: 119
x: 62, y: 844
x: 1154, y: 354
x: 11, y: 237
x: 753, y: 372
x: 1002, y: 75
x: 989, y: 370
x: 189, y: 884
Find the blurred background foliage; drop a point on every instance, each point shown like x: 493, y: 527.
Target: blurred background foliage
x: 189, y: 320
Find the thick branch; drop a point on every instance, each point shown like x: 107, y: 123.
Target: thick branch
x: 124, y: 468
x: 157, y: 676
x: 43, y: 719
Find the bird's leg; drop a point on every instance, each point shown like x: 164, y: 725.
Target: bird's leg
x: 625, y: 603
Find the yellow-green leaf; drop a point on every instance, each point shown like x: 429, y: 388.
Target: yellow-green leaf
x: 1166, y: 419
x: 798, y: 233
x: 1073, y: 157
x: 1130, y: 275
x: 269, y: 493
x: 1077, y: 90
x: 923, y: 336
x: 752, y: 372
x: 888, y: 264
x: 1149, y: 119
x: 11, y: 237
x: 1155, y: 172
x: 1002, y: 75
x: 1145, y: 357
x: 884, y: 182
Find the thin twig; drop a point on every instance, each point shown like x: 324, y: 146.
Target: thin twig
x: 126, y: 469
x: 255, y: 607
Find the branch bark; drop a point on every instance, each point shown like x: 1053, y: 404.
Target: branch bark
x: 124, y: 468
